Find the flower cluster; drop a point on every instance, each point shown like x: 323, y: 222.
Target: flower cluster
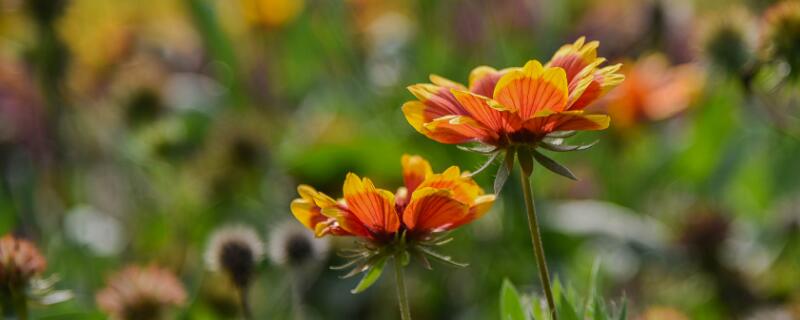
x: 400, y: 223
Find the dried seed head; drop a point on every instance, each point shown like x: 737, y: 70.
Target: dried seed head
x: 235, y: 250
x: 782, y: 33
x: 140, y: 293
x: 19, y: 261
x: 292, y: 245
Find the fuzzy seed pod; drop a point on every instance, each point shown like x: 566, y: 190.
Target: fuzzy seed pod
x: 235, y: 250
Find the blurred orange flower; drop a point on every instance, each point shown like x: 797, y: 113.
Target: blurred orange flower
x: 428, y: 203
x: 515, y: 105
x: 19, y: 261
x: 140, y: 293
x: 653, y: 91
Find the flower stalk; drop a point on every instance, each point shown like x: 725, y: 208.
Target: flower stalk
x: 536, y: 236
x: 402, y: 295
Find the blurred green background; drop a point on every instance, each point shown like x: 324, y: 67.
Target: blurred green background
x: 130, y: 130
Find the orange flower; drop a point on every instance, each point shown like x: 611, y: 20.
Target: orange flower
x: 140, y: 293
x: 653, y: 91
x: 428, y: 203
x: 515, y: 105
x: 19, y: 261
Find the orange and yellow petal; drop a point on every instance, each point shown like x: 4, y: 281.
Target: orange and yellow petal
x: 446, y: 83
x: 415, y: 170
x: 575, y: 57
x: 463, y: 187
x: 532, y: 89
x: 438, y: 100
x: 481, y: 109
x: 310, y: 215
x: 433, y: 210
x: 374, y: 208
x: 480, y: 207
x: 458, y: 129
x: 603, y: 80
x: 483, y: 79
x: 320, y: 199
x: 565, y: 121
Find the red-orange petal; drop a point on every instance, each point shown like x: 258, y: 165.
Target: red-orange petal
x: 374, y: 208
x: 568, y: 120
x: 433, y: 210
x: 459, y: 129
x: 479, y: 208
x: 415, y: 170
x: 480, y: 108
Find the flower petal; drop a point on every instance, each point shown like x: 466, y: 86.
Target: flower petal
x: 438, y: 99
x: 374, y: 208
x: 463, y: 187
x: 532, y: 89
x: 483, y: 79
x: 480, y: 108
x: 415, y: 170
x: 568, y: 120
x: 459, y: 129
x: 309, y: 211
x: 603, y: 80
x: 433, y: 210
x: 573, y: 58
x: 476, y: 210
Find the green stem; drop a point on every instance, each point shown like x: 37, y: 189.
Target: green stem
x: 245, y: 303
x: 402, y: 296
x: 536, y: 239
x: 13, y: 303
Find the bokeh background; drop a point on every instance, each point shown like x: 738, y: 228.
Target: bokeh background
x: 130, y: 130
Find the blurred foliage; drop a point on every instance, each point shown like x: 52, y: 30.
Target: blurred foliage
x: 130, y: 130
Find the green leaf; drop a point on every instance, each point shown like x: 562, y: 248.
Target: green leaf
x: 503, y: 171
x: 566, y: 310
x: 553, y: 166
x: 566, y: 147
x: 525, y: 161
x: 536, y: 308
x: 480, y: 148
x: 486, y: 164
x: 592, y: 288
x: 510, y: 306
x: 562, y: 134
x: 371, y: 276
x: 623, y: 314
x: 599, y: 309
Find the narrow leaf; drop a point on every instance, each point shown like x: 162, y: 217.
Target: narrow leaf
x: 485, y: 164
x: 592, y: 288
x: 510, y: 306
x: 481, y: 148
x: 599, y: 308
x: 370, y: 277
x: 566, y: 147
x: 553, y: 166
x: 623, y: 314
x: 503, y: 171
x: 441, y: 258
x: 562, y: 134
x: 566, y: 310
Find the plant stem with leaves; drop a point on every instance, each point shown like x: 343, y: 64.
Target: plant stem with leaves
x: 526, y: 169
